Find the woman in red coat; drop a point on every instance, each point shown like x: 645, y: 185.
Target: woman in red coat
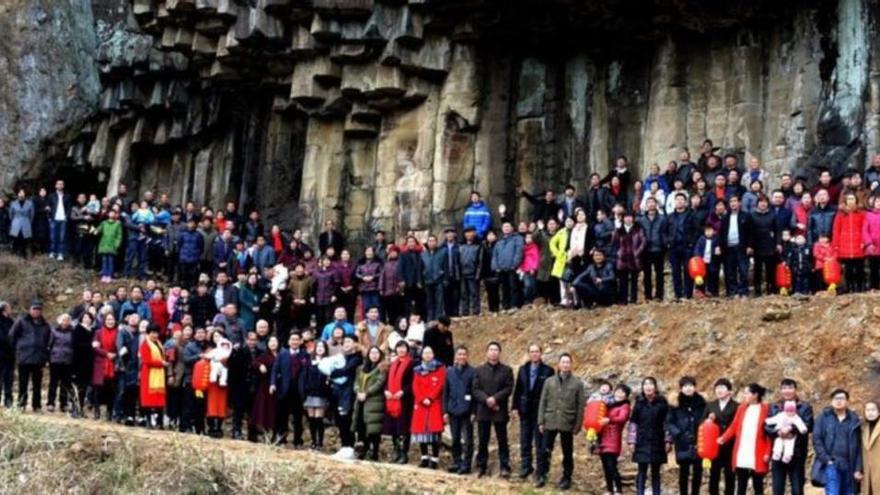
x: 103, y: 367
x: 159, y: 312
x: 751, y: 451
x: 611, y: 438
x: 429, y: 378
x: 152, y: 377
x: 846, y: 238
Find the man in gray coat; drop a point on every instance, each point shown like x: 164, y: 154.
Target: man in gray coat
x: 22, y: 212
x: 29, y: 336
x: 506, y: 258
x: 560, y: 412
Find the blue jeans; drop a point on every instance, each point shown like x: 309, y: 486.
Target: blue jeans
x: 136, y: 251
x: 838, y: 481
x: 57, y: 236
x: 107, y: 265
x: 529, y: 288
x: 434, y: 306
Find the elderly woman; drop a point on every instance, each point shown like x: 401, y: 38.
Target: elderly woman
x: 60, y: 361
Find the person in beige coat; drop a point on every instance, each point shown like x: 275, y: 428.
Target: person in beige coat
x: 372, y: 332
x: 871, y: 450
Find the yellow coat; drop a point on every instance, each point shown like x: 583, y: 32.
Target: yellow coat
x: 871, y: 460
x: 559, y: 249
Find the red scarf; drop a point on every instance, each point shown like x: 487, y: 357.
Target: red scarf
x: 720, y: 192
x: 108, y: 344
x: 395, y: 384
x: 615, y: 190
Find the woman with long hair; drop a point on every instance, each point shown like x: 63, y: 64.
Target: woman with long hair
x: 429, y: 378
x: 152, y: 377
x: 104, y: 368
x: 315, y: 387
x: 648, y: 424
x: 369, y: 405
x: 751, y: 451
x: 399, y: 401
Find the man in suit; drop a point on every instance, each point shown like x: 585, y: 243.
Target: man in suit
x: 734, y: 240
x: 59, y: 212
x: 291, y: 362
x: 331, y: 238
x: 526, y: 396
x: 493, y: 384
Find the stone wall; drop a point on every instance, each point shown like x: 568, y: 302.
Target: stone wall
x: 386, y: 114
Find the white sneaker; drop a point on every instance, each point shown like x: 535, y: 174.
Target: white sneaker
x: 51, y: 256
x: 344, y: 454
x: 60, y: 257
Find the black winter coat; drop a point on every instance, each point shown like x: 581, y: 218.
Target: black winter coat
x: 7, y: 351
x: 765, y: 233
x: 649, y: 420
x: 493, y: 381
x: 682, y: 422
x: 313, y: 383
x: 525, y: 400
x: 31, y: 340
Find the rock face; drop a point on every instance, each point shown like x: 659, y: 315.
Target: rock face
x: 49, y: 81
x: 386, y: 114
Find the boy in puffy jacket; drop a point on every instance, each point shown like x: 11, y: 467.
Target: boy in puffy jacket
x: 822, y: 252
x: 796, y: 254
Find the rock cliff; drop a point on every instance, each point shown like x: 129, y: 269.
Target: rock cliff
x: 385, y: 114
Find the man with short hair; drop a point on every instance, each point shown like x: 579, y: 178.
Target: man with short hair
x: 7, y: 354
x: 331, y: 238
x: 837, y: 440
x: 452, y: 273
x: 60, y: 206
x: 459, y: 410
x: 734, y: 240
x: 29, y: 336
x: 506, y: 258
x: 434, y: 274
x: 560, y: 412
x: 477, y: 216
x: 292, y: 362
x: 722, y: 410
x: 793, y: 471
x: 493, y: 384
x: 470, y: 266
x: 680, y: 243
x: 526, y: 395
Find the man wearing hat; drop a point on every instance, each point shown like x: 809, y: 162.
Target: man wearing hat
x: 29, y: 337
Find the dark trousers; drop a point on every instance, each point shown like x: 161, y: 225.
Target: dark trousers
x: 801, y: 283
x: 742, y: 482
x: 642, y: 478
x: 324, y: 315
x: 470, y: 296
x: 19, y: 245
x: 690, y: 475
x: 136, y: 253
x: 530, y: 438
x: 682, y: 283
x: 713, y: 274
x: 484, y: 431
x: 392, y: 308
x: 434, y: 303
x: 566, y: 440
x: 193, y: 414
x: 628, y: 286
x: 451, y: 297
x: 240, y: 407
x: 613, y: 482
x: 492, y: 297
x: 346, y: 436
x: 653, y: 270
x: 854, y: 274
x: 511, y: 295
x: 104, y: 395
x: 125, y: 404
x: 874, y: 271
x: 173, y: 403
x: 589, y: 293
x: 107, y: 265
x: 288, y: 406
x: 32, y: 373
x: 793, y: 473
x: 462, y: 434
x: 414, y: 302
x: 59, y: 375
x: 765, y: 267
x: 549, y: 290
x: 7, y: 374
x: 721, y: 466
x: 736, y: 271
x: 189, y: 274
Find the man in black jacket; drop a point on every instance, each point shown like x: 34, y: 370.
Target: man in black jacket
x: 29, y: 336
x: 545, y: 207
x: 452, y: 273
x: 735, y: 241
x: 331, y: 238
x: 794, y: 471
x: 526, y: 396
x: 438, y: 336
x: 7, y: 354
x: 597, y: 198
x: 766, y: 244
x: 459, y: 409
x: 242, y: 384
x: 60, y: 206
x: 722, y: 410
x: 680, y: 241
x: 493, y: 384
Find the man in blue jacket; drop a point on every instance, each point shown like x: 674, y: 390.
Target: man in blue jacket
x: 291, y: 363
x: 837, y: 440
x: 433, y: 275
x: 478, y: 216
x: 506, y: 258
x: 190, y: 253
x: 459, y: 409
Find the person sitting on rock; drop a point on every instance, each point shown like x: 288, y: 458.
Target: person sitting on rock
x: 597, y: 284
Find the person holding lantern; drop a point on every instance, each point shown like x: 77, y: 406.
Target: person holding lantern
x: 611, y: 438
x: 681, y: 424
x: 560, y: 412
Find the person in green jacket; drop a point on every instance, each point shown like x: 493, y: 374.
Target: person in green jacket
x: 369, y: 408
x: 110, y: 233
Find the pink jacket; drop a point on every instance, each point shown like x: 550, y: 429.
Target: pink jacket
x: 531, y: 258
x: 871, y: 233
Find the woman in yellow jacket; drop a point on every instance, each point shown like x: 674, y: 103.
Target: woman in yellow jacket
x: 559, y: 250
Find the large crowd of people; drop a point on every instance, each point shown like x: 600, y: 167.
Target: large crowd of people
x: 241, y: 330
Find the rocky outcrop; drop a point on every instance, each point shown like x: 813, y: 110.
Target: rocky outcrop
x: 385, y: 114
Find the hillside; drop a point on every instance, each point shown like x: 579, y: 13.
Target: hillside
x: 823, y: 342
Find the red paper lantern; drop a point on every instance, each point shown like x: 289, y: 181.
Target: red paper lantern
x: 594, y: 413
x: 831, y: 274
x: 707, y: 442
x: 783, y: 278
x: 201, y: 377
x: 697, y: 269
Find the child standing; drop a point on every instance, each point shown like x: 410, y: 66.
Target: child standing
x: 708, y: 248
x: 822, y: 252
x: 796, y: 254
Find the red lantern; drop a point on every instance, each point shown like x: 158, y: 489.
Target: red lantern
x: 831, y: 274
x: 707, y: 442
x: 594, y: 413
x: 201, y: 377
x: 783, y: 278
x: 697, y: 269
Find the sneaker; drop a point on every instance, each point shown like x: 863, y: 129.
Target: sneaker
x: 60, y: 257
x: 344, y: 454
x: 51, y: 256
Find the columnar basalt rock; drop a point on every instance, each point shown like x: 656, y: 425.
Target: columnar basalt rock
x: 385, y: 114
